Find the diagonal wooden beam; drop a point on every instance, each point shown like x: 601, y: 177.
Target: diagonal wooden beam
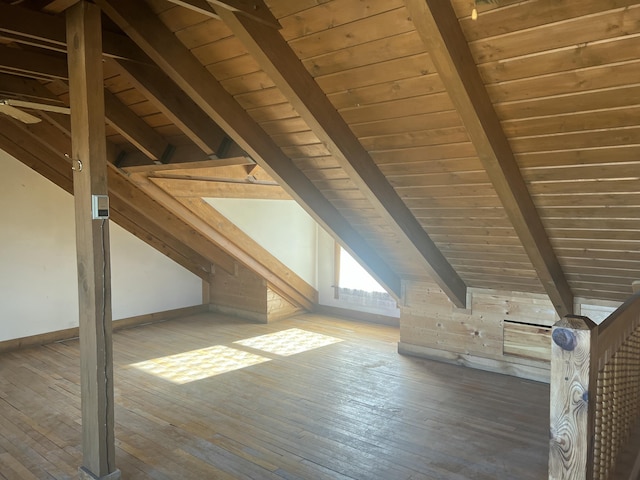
x: 41, y: 147
x: 118, y: 115
x: 438, y: 26
x: 174, y: 103
x: 48, y: 31
x: 33, y: 64
x: 27, y: 89
x: 255, y: 10
x: 139, y: 22
x: 282, y: 65
x: 131, y: 127
x: 203, y: 218
x: 134, y: 129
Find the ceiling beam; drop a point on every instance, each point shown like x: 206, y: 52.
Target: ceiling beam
x: 139, y: 133
x: 204, y: 219
x: 134, y: 129
x: 157, y: 41
x: 118, y: 115
x: 33, y: 64
x: 279, y: 61
x: 174, y: 103
x: 41, y: 146
x: 255, y: 10
x: 49, y: 31
x: 27, y: 89
x: 441, y: 33
x: 179, y: 186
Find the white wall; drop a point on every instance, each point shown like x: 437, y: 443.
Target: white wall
x: 38, y: 282
x: 281, y: 227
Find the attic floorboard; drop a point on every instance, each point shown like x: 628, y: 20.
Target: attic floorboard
x: 353, y: 409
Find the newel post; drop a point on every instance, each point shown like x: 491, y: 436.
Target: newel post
x: 572, y: 399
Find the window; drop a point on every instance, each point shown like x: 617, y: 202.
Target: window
x: 354, y: 285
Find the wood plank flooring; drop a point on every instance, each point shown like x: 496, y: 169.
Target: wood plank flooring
x: 352, y: 409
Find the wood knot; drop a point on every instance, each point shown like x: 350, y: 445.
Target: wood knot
x: 565, y: 339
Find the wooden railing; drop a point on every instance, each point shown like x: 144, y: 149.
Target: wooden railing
x: 595, y: 396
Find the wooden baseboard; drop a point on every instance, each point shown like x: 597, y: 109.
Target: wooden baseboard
x: 69, y: 333
x: 238, y: 312
x: 357, y: 315
x: 529, y: 372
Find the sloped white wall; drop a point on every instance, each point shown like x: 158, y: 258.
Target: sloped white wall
x: 38, y: 282
x: 281, y: 227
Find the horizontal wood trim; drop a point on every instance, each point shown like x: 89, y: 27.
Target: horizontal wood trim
x: 330, y: 310
x: 238, y: 312
x: 539, y: 373
x: 69, y: 333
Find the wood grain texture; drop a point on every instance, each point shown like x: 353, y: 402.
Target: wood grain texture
x: 179, y: 64
x: 529, y: 341
x: 89, y: 153
x: 439, y: 28
x: 572, y: 399
x: 352, y: 409
x: 277, y: 58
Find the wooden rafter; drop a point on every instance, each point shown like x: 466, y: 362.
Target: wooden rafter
x: 255, y: 10
x: 175, y: 104
x: 438, y: 26
x: 216, y: 188
x: 202, y: 218
x: 41, y: 147
x: 48, y: 31
x: 132, y: 127
x: 33, y: 64
x: 282, y: 65
x: 183, y: 68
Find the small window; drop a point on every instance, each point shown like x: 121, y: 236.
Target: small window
x: 354, y: 285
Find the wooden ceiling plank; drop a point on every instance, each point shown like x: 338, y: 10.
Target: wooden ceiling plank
x: 33, y: 63
x: 185, y: 70
x: 216, y: 189
x: 48, y: 31
x: 133, y: 128
x: 439, y: 28
x: 283, y: 66
x: 58, y: 6
x: 175, y: 104
x: 27, y: 89
x: 248, y: 8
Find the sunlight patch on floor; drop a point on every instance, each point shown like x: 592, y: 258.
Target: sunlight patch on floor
x: 195, y: 365
x: 288, y: 342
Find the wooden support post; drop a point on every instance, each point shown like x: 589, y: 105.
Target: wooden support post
x: 89, y: 158
x: 572, y: 400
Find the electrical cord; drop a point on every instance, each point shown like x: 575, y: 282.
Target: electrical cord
x: 106, y: 346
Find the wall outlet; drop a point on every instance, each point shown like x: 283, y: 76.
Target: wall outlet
x: 99, y: 206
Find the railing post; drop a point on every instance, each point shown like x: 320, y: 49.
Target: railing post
x: 572, y: 399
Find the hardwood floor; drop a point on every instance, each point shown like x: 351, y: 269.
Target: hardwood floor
x: 352, y: 409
